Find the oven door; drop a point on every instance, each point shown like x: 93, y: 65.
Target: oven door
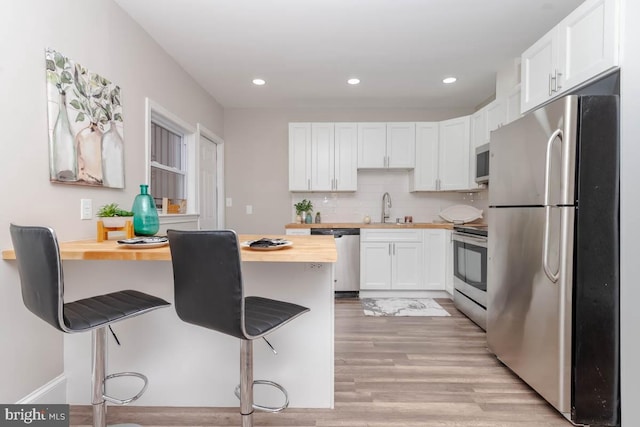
x: 470, y: 267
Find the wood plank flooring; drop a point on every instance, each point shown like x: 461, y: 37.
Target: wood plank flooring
x: 390, y: 372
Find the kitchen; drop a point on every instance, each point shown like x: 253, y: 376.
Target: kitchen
x: 271, y: 201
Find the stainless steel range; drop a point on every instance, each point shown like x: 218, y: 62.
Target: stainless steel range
x: 470, y: 272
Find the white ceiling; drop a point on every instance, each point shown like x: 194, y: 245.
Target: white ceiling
x: 307, y: 49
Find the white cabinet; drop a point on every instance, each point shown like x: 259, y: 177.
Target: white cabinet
x: 386, y: 145
x: 448, y: 255
x: 299, y: 156
x: 513, y: 104
x: 345, y: 170
x: 435, y: 259
x: 453, y: 154
x: 580, y: 47
x: 496, y: 115
x: 391, y: 259
x: 323, y: 157
x: 425, y: 175
x: 442, y: 156
x: 479, y: 132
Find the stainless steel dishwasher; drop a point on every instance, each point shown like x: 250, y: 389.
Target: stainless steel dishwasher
x: 347, y: 268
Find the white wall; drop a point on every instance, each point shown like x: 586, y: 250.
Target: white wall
x: 256, y: 156
x: 629, y: 209
x: 100, y: 36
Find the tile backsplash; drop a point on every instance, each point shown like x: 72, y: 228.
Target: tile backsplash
x: 372, y: 184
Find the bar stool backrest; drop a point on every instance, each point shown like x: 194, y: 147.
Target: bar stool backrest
x: 208, y: 280
x: 40, y: 269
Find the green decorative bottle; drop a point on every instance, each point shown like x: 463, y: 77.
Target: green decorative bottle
x: 145, y: 214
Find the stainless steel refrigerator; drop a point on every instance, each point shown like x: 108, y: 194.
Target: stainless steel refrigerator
x: 553, y: 269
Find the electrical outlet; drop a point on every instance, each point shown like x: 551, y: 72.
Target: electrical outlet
x: 228, y: 202
x: 314, y: 266
x: 249, y: 209
x: 86, y: 209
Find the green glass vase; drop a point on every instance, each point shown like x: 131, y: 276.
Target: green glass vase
x: 145, y: 214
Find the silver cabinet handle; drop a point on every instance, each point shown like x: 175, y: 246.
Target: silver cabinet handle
x: 557, y: 81
x: 336, y: 184
x: 308, y: 184
x: 551, y: 84
x: 389, y: 249
x: 332, y: 183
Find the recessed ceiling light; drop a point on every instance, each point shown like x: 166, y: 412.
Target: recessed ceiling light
x: 449, y: 80
x: 353, y: 81
x: 258, y: 82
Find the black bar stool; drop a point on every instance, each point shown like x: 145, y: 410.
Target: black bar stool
x: 42, y: 283
x: 209, y: 293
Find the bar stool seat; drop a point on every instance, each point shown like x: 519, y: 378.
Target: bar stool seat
x: 42, y: 284
x: 208, y: 292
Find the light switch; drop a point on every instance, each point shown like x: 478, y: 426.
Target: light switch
x: 249, y: 209
x: 86, y: 209
x: 228, y: 202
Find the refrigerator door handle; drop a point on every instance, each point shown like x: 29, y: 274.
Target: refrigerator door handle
x: 547, y: 167
x: 553, y: 276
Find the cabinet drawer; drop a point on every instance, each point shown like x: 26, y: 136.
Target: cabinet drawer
x: 390, y: 235
x: 298, y: 231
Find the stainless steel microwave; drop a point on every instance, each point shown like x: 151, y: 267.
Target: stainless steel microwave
x: 482, y: 164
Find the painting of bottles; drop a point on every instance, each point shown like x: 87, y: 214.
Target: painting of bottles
x: 86, y: 145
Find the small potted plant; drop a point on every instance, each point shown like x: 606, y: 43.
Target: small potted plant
x: 303, y: 210
x: 112, y: 216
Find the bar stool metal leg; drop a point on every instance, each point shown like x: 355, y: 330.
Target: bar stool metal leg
x: 246, y: 382
x: 98, y: 372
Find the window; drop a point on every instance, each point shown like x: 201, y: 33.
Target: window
x: 171, y: 162
x: 168, y: 168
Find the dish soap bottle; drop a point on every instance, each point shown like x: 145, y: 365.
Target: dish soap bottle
x: 145, y: 214
x: 317, y: 217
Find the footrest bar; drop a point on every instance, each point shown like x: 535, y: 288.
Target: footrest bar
x: 132, y: 399
x: 268, y: 408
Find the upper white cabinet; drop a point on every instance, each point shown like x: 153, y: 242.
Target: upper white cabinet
x: 322, y: 157
x: 425, y: 175
x: 454, y: 154
x: 479, y: 130
x: 346, y: 157
x: 299, y: 156
x: 580, y: 47
x: 496, y: 115
x: 442, y: 156
x: 386, y: 145
x: 513, y: 104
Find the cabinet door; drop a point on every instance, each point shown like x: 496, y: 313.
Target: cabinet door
x: 322, y: 156
x: 448, y: 252
x: 496, y: 115
x: 454, y: 154
x: 435, y: 259
x: 407, y: 265
x: 588, y: 42
x: 372, y: 145
x: 299, y: 156
x: 539, y: 66
x: 346, y: 157
x: 375, y: 265
x: 425, y: 174
x: 401, y: 145
x: 513, y: 104
x: 479, y: 132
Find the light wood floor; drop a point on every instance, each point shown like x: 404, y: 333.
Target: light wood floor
x: 390, y: 372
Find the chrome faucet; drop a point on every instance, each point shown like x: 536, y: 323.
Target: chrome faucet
x: 386, y: 205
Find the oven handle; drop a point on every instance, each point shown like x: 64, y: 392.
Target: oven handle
x: 465, y: 238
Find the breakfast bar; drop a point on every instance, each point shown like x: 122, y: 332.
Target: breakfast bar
x: 191, y: 366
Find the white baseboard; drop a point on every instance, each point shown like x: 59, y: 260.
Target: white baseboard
x: 55, y: 391
x: 404, y: 294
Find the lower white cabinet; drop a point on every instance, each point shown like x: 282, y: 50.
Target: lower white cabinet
x: 402, y: 259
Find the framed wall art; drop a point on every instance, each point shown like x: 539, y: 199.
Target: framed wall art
x: 86, y: 144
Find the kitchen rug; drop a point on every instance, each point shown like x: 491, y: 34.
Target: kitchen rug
x: 402, y: 307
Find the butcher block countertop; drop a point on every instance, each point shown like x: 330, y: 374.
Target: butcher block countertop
x: 304, y: 249
x: 444, y: 225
